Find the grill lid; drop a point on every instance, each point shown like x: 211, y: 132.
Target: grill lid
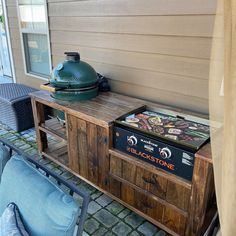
x: 73, y: 73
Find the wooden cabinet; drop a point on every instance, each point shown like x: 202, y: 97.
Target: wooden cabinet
x: 84, y: 147
x: 88, y: 150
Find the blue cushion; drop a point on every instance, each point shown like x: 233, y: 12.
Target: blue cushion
x: 11, y: 223
x: 4, y: 157
x: 45, y: 209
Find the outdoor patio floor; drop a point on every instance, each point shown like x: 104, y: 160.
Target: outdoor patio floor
x: 105, y: 216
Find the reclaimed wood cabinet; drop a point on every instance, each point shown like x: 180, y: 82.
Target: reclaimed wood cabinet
x: 84, y: 147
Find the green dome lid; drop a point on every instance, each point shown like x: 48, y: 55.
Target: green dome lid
x: 73, y: 73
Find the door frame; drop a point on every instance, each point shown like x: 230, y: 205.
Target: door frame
x: 1, y: 69
x: 4, y: 7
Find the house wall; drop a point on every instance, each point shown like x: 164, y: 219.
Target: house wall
x: 158, y: 50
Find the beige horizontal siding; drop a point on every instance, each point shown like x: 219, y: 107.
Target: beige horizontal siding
x: 145, y: 78
x: 192, y: 25
x: 158, y: 50
x: 11, y: 10
x: 192, y: 67
x: 11, y: 2
x: 15, y: 34
x: 196, y: 47
x: 131, y: 7
x: 13, y: 23
x: 161, y: 96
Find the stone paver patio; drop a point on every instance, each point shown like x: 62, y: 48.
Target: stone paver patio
x: 105, y: 216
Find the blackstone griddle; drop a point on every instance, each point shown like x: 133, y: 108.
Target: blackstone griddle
x: 163, y: 138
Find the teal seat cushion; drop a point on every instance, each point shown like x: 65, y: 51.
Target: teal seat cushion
x: 4, y: 157
x: 45, y: 209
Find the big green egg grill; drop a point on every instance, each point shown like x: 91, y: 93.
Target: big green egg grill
x: 72, y: 80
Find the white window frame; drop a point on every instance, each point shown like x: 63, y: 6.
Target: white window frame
x: 8, y: 40
x: 31, y: 31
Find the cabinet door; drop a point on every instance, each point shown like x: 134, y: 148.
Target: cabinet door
x: 88, y: 150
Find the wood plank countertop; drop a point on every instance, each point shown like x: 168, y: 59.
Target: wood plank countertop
x: 102, y: 110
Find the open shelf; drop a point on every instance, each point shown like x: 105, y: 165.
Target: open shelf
x: 54, y: 128
x: 58, y: 153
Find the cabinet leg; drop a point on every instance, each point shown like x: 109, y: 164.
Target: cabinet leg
x: 39, y: 118
x: 202, y: 184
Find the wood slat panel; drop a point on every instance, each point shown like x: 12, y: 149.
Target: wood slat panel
x: 178, y: 46
x: 73, y: 145
x: 103, y: 156
x: 197, y: 25
x: 92, y: 157
x: 82, y: 147
x: 116, y: 166
x: 198, y: 68
x: 131, y: 7
x: 178, y: 195
x: 115, y: 187
x: 149, y: 206
x: 151, y: 182
x: 174, y: 220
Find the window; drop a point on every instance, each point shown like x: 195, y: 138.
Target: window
x: 35, y: 37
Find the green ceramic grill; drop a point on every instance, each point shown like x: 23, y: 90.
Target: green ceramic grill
x: 73, y: 79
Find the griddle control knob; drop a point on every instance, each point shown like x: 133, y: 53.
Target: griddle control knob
x: 132, y: 140
x: 165, y: 153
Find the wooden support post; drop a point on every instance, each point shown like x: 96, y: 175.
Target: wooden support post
x: 200, y: 193
x: 39, y: 118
